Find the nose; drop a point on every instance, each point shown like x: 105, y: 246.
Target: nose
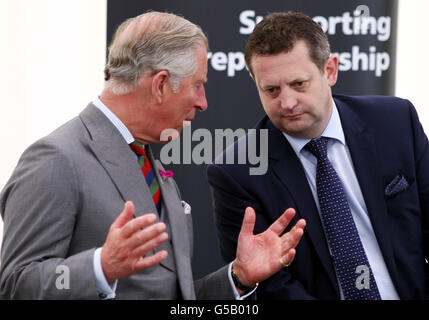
x: 288, y: 100
x: 201, y: 103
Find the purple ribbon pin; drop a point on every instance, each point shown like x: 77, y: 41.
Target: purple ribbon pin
x: 166, y: 174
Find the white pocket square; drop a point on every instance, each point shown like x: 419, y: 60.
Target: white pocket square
x: 186, y: 207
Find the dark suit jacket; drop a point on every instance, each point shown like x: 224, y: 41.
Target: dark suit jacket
x: 385, y: 140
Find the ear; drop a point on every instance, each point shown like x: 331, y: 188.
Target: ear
x: 252, y: 76
x: 160, y: 85
x: 331, y: 70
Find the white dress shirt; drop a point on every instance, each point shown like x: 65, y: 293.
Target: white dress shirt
x: 339, y: 156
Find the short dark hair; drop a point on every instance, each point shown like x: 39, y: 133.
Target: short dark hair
x: 278, y: 32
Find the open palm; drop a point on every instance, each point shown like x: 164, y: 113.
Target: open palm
x: 259, y: 256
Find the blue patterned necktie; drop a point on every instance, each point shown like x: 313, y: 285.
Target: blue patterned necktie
x: 353, y: 270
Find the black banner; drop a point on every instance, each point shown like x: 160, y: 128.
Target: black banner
x: 361, y: 33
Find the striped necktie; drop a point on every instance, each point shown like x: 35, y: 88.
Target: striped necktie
x: 148, y: 173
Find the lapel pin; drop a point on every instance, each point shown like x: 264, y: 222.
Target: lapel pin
x: 166, y: 174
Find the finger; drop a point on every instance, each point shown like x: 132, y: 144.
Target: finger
x: 248, y: 221
x: 301, y: 224
x: 151, y: 261
x: 150, y: 245
x: 125, y: 215
x: 287, y: 259
x: 147, y: 234
x: 292, y: 238
x: 281, y: 223
x: 138, y: 223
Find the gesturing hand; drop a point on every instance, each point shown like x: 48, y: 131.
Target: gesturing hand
x: 128, y: 241
x: 260, y: 256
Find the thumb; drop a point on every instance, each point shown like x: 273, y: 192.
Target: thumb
x: 248, y: 221
x: 125, y: 215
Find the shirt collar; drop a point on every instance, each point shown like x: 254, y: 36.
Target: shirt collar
x: 333, y: 130
x: 128, y: 137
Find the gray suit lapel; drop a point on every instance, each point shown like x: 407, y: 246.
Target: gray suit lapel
x: 178, y: 229
x: 120, y: 163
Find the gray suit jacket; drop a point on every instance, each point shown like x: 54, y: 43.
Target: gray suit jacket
x: 57, y: 207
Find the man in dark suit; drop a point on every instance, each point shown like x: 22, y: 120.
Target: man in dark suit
x: 89, y: 213
x: 355, y: 168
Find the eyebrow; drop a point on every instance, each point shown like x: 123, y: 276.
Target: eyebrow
x: 295, y: 80
x: 267, y: 85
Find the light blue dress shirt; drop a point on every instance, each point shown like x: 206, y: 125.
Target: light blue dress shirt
x: 103, y: 288
x: 339, y: 156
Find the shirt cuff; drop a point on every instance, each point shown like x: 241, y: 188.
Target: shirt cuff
x: 234, y: 289
x: 104, y: 290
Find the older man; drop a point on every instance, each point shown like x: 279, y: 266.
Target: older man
x: 89, y: 213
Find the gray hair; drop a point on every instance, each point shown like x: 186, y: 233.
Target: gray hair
x: 152, y: 42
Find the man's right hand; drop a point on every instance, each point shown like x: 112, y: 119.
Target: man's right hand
x: 127, y: 243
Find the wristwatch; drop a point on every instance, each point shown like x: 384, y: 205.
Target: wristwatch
x: 238, y: 283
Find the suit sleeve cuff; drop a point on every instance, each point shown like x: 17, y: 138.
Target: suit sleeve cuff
x: 234, y: 289
x: 104, y: 290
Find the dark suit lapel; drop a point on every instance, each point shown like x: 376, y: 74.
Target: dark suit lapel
x: 289, y: 170
x: 361, y: 143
